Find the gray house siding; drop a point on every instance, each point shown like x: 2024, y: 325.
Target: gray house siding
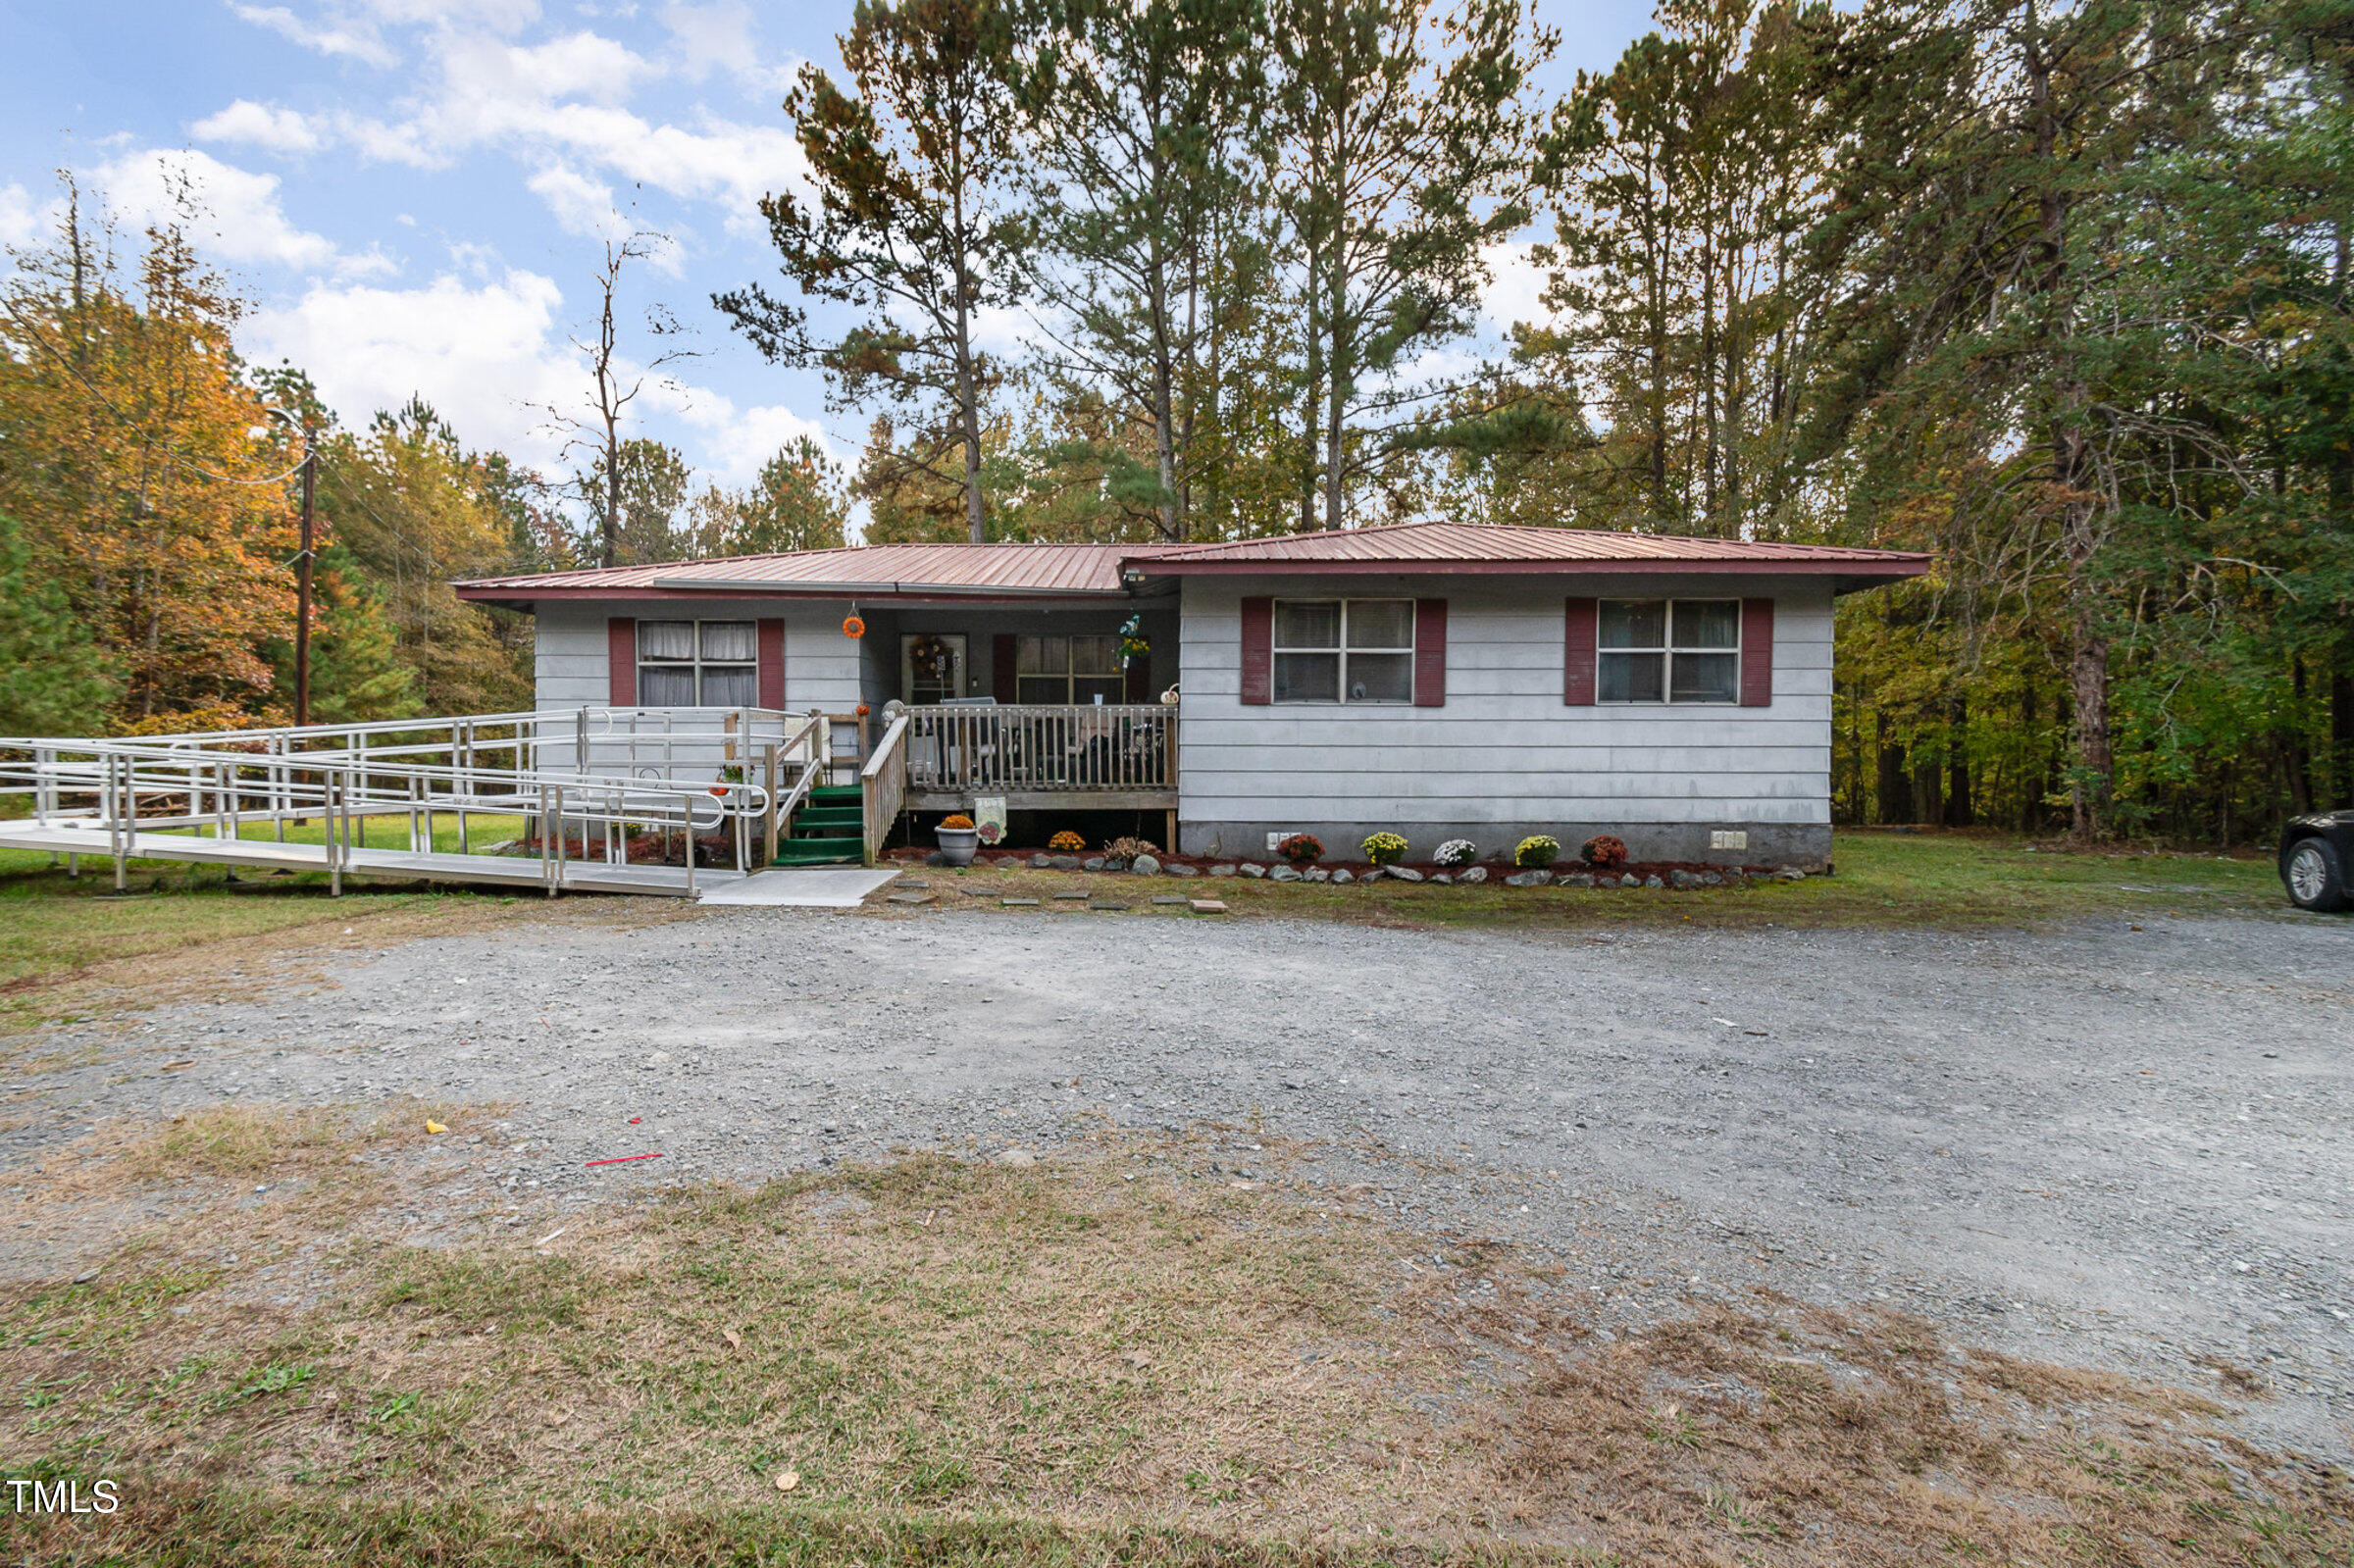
x: 1504, y: 757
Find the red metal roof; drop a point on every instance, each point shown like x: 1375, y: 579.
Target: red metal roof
x: 876, y: 571
x: 1441, y: 545
x: 868, y: 569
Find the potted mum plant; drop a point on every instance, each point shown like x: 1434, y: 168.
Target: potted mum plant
x: 1302, y: 849
x: 1384, y: 848
x: 959, y: 838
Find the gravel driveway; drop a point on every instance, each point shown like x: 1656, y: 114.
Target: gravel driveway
x: 2104, y: 1147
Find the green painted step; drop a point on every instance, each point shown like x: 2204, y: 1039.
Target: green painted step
x: 837, y: 794
x: 828, y: 817
x: 819, y: 851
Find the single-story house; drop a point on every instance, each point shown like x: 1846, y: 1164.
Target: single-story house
x: 1438, y: 679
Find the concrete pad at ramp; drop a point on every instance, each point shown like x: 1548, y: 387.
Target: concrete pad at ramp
x: 802, y: 887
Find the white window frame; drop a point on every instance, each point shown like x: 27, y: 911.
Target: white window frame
x: 1276, y: 650
x: 1667, y: 648
x: 696, y: 662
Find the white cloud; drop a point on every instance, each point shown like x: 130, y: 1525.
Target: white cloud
x: 580, y: 205
x: 737, y: 441
x: 260, y: 125
x: 720, y: 37
x: 1517, y: 287
x: 237, y: 211
x: 24, y: 220
x: 483, y: 353
x: 360, y: 42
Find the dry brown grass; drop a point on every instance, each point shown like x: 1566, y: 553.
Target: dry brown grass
x: 1116, y: 1357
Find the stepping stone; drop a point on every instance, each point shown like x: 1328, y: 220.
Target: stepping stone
x: 1106, y: 903
x: 908, y: 898
x: 1171, y: 899
x: 1019, y: 903
x: 1208, y: 906
x: 913, y: 881
x: 1074, y: 892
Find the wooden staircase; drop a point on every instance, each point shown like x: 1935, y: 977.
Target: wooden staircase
x: 830, y: 830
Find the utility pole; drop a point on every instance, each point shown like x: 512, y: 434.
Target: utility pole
x: 302, y: 580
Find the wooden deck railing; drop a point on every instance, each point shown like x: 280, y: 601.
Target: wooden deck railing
x: 1013, y: 748
x: 883, y: 785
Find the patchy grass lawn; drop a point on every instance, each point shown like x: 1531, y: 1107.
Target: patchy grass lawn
x: 69, y: 947
x: 1948, y: 881
x: 1119, y: 1357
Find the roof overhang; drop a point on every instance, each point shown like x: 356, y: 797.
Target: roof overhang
x: 1846, y: 575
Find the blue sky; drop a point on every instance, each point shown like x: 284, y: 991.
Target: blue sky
x: 411, y: 192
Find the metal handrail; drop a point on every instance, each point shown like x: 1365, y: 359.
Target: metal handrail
x: 228, y: 780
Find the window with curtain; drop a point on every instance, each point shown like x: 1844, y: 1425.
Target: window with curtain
x: 1061, y: 670
x: 1344, y: 650
x: 1669, y: 651
x: 698, y: 664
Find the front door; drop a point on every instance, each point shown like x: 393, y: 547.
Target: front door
x: 931, y: 667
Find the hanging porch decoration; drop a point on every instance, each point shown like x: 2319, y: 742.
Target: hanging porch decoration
x: 1134, y: 646
x: 930, y: 657
x: 851, y: 626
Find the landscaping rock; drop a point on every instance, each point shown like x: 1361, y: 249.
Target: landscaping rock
x: 1630, y: 879
x: 1578, y: 879
x: 1789, y: 873
x: 1144, y: 866
x: 1250, y: 868
x: 1282, y: 873
x: 1345, y: 874
x: 1710, y: 879
x: 1528, y: 878
x: 1315, y: 873
x: 1181, y: 871
x: 1653, y: 882
x: 1403, y: 872
x: 1064, y: 862
x: 1092, y: 863
x: 1443, y: 878
x: 1681, y: 879
x: 1041, y: 862
x: 1475, y: 874
x: 1221, y: 871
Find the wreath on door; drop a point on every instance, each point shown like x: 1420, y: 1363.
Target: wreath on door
x: 931, y: 658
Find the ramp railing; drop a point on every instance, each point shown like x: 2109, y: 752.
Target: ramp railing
x: 616, y: 787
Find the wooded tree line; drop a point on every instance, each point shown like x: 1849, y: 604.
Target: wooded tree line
x: 2057, y: 291
x: 148, y: 527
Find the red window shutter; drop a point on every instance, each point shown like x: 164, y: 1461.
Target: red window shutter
x: 1756, y: 653
x: 1006, y: 667
x: 772, y: 664
x: 1577, y: 654
x: 621, y: 662
x: 1430, y: 653
x: 1258, y: 652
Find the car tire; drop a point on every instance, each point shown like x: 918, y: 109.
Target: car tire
x: 2316, y: 876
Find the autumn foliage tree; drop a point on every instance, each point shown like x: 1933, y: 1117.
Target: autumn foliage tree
x: 144, y: 476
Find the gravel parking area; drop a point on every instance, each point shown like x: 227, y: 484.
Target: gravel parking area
x: 2104, y: 1147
